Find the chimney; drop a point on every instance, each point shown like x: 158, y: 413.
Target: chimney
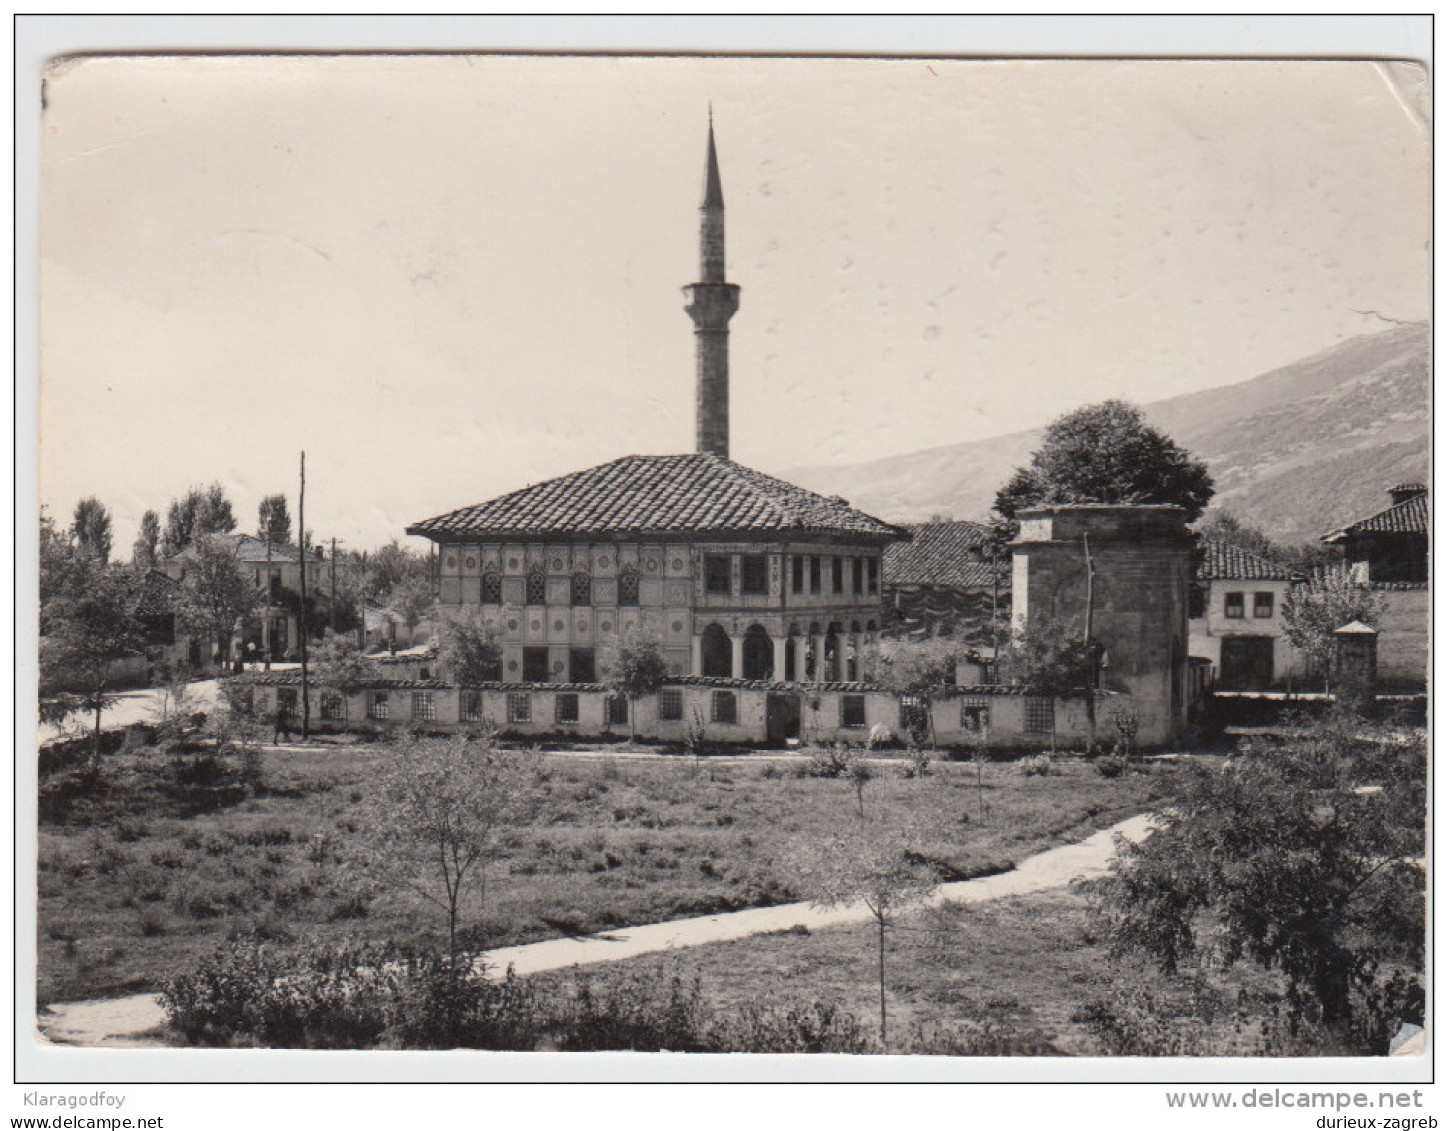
x: 712, y: 302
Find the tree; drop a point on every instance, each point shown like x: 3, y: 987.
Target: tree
x: 918, y: 670
x: 412, y: 600
x: 198, y: 513
x: 1315, y: 610
x: 1283, y: 859
x: 339, y: 666
x: 148, y: 540
x: 273, y: 520
x: 467, y: 649
x: 873, y: 863
x: 438, y: 813
x: 91, y: 529
x: 85, y: 627
x: 638, y: 668
x: 1107, y: 453
x: 215, y: 594
x: 1051, y: 658
x: 389, y: 567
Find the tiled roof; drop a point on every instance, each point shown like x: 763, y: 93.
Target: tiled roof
x: 249, y: 549
x: 686, y: 494
x: 1222, y: 561
x: 1408, y: 517
x: 940, y: 553
x: 154, y: 594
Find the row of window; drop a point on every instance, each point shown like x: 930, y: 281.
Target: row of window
x: 1234, y: 606
x: 863, y: 574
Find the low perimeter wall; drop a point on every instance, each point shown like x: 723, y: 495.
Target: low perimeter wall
x: 724, y: 711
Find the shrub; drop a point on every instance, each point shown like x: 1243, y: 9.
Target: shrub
x: 829, y: 761
x: 1036, y: 765
x: 1112, y: 765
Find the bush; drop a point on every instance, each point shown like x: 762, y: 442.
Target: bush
x: 829, y: 761
x: 1036, y: 765
x: 1112, y: 765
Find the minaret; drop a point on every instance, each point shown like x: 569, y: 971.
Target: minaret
x: 712, y: 302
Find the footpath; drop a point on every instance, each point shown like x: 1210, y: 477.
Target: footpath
x: 128, y: 1022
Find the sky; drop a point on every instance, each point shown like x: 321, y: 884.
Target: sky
x: 446, y: 277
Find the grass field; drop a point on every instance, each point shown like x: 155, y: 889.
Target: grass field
x: 144, y: 873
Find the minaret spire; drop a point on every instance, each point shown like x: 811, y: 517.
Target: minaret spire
x: 712, y: 302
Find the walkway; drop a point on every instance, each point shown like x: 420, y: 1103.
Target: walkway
x: 121, y: 1022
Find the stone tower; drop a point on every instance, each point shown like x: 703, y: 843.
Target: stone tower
x: 1140, y: 578
x: 712, y: 302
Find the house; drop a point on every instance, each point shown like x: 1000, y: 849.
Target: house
x: 1236, y: 620
x: 739, y: 574
x: 947, y: 580
x: 276, y: 569
x: 1389, y: 552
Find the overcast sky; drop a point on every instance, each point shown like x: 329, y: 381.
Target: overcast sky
x: 449, y: 277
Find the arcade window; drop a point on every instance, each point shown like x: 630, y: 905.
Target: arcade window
x: 1262, y: 606
x: 1040, y: 716
x: 565, y: 708
x: 724, y: 708
x: 377, y: 706
x: 582, y: 590
x: 520, y: 707
x: 874, y: 574
x: 1232, y: 606
x: 423, y: 706
x: 331, y: 705
x: 814, y: 575
x: 617, y: 710
x: 492, y: 589
x: 716, y: 573
x: 859, y: 572
x: 797, y: 570
x: 537, y: 588
x: 837, y: 567
x: 628, y: 588
x: 472, y: 707
x: 753, y: 574
x: 671, y: 704
x: 852, y: 711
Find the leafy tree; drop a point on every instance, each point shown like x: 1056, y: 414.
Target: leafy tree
x: 1049, y: 657
x: 1315, y: 610
x: 438, y: 813
x: 148, y: 540
x: 339, y: 666
x: 467, y: 649
x: 389, y: 567
x: 412, y: 600
x: 638, y: 668
x: 199, y: 512
x: 215, y: 594
x: 918, y: 669
x: 273, y: 520
x: 85, y: 627
x: 91, y: 529
x: 1107, y: 453
x: 1283, y: 859
x: 874, y: 863
x: 62, y: 571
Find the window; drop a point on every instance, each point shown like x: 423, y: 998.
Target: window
x: 914, y: 717
x: 537, y: 588
x: 716, y: 573
x: 628, y: 587
x: 975, y: 713
x: 753, y: 574
x: 423, y: 706
x: 581, y: 592
x: 617, y: 710
x: 837, y: 569
x: 470, y: 706
x: 873, y: 574
x: 565, y: 708
x: 852, y: 711
x: 1232, y: 606
x: 331, y: 705
x: 287, y: 700
x: 797, y: 568
x: 377, y: 706
x: 535, y: 665
x: 1040, y: 715
x: 492, y: 593
x: 724, y: 709
x: 859, y: 571
x: 671, y: 704
x: 581, y: 666
x: 814, y: 575
x: 520, y: 707
x: 1262, y: 606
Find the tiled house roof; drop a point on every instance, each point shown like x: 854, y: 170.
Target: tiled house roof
x: 1224, y: 562
x: 686, y: 494
x: 1408, y: 517
x: 940, y: 553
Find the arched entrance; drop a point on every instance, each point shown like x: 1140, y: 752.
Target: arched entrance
x: 758, y: 653
x: 717, y: 657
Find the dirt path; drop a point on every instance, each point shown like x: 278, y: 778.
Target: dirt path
x: 126, y: 1022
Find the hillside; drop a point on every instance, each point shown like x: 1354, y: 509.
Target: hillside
x: 1299, y: 451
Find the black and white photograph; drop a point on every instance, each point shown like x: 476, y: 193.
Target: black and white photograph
x: 870, y: 560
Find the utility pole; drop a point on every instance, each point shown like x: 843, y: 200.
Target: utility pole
x: 266, y: 628
x: 1095, y: 677
x: 333, y: 602
x: 302, y: 555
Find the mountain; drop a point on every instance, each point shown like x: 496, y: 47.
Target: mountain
x: 1298, y: 451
